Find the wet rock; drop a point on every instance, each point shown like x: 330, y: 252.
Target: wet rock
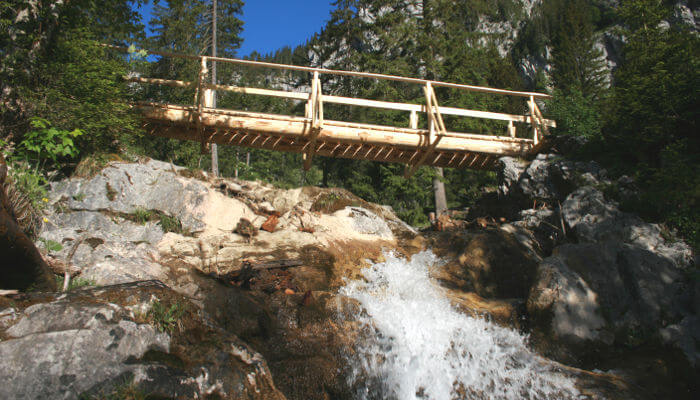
x: 92, y: 342
x: 494, y: 264
x: 366, y: 222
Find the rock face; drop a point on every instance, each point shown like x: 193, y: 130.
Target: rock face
x: 606, y: 277
x: 102, y: 341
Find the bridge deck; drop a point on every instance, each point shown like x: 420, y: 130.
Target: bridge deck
x: 333, y: 139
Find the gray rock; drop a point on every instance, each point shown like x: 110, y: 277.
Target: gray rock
x: 545, y: 227
x: 597, y: 290
x: 80, y: 345
x: 116, y: 262
x: 62, y: 351
x: 509, y: 172
x: 548, y: 178
x: 593, y: 218
x: 685, y: 335
x: 575, y: 312
x: 127, y: 187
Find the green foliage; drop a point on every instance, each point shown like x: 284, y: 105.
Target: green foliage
x: 142, y: 216
x: 578, y: 65
x: 80, y: 86
x: 170, y: 224
x: 166, y: 318
x: 30, y: 182
x: 167, y: 223
x: 46, y: 143
x: 655, y: 101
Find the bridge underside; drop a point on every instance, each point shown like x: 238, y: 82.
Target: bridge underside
x: 332, y: 138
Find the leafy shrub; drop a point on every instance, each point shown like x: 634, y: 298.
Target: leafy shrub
x: 46, y: 143
x: 142, y: 216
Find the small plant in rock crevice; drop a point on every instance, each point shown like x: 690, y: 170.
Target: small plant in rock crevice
x: 127, y: 390
x: 74, y: 283
x: 166, y: 318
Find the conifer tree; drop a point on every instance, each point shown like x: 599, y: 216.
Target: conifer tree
x: 577, y: 63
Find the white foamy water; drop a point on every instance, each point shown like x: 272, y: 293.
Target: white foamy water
x: 418, y: 346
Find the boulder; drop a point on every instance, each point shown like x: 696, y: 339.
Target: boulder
x: 104, y: 341
x: 605, y: 293
x: 548, y: 178
x: 592, y: 218
x: 509, y: 171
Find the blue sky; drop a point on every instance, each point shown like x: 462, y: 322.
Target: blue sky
x: 271, y: 24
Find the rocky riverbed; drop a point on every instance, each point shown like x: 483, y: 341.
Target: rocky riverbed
x: 188, y: 294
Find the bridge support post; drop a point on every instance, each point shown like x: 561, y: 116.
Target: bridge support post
x: 436, y: 129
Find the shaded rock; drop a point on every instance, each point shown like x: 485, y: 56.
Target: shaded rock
x: 493, y: 264
x: 685, y: 335
x: 601, y: 293
x: 548, y: 178
x: 21, y: 264
x: 592, y: 218
x: 539, y: 229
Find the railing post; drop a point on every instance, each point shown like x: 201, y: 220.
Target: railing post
x: 204, y: 100
x: 511, y: 129
x: 314, y: 110
x: 533, y: 120
x: 413, y: 120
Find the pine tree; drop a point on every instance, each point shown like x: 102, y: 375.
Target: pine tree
x: 577, y: 63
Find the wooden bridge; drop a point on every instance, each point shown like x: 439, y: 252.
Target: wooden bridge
x: 313, y: 135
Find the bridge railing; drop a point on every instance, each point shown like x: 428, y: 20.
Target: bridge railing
x: 315, y: 99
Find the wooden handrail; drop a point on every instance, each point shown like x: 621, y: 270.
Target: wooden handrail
x: 462, y: 112
x: 481, y: 89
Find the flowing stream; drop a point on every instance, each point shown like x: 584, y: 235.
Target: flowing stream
x: 418, y: 346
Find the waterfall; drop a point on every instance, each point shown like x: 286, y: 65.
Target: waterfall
x: 416, y: 345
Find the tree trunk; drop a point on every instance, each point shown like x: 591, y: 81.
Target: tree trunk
x: 21, y: 264
x: 439, y: 189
